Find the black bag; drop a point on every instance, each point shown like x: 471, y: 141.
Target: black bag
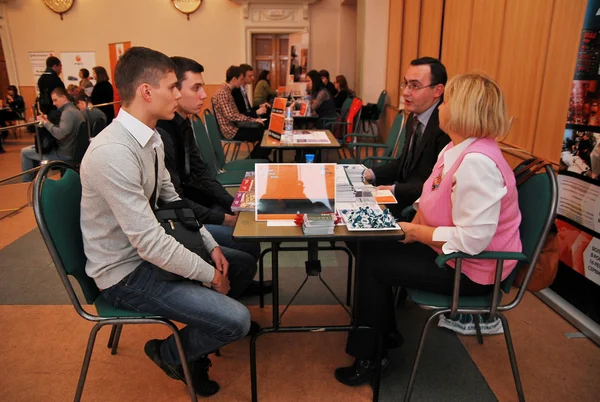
x: 48, y: 142
x: 369, y: 112
x: 179, y: 221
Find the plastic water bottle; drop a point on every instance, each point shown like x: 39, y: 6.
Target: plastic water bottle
x: 310, y: 158
x: 288, y: 122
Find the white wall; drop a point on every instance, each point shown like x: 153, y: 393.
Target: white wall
x: 373, y: 60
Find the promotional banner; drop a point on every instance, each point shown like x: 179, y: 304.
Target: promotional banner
x: 72, y: 62
x: 38, y: 63
x: 115, y: 51
x: 578, y: 218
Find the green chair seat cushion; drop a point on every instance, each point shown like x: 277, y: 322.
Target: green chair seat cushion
x: 105, y: 309
x: 437, y: 300
x: 243, y: 164
x: 231, y: 177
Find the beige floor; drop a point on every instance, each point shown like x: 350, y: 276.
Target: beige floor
x: 553, y: 367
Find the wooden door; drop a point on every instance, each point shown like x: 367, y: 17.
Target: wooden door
x: 4, y: 83
x: 270, y: 52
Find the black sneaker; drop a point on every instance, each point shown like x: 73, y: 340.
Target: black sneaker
x: 203, y: 385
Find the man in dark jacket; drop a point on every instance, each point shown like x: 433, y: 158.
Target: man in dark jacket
x: 327, y: 82
x: 47, y: 82
x: 190, y: 176
x: 240, y: 95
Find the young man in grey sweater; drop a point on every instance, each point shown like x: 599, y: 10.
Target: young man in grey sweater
x: 130, y: 257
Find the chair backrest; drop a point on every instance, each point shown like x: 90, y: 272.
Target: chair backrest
x: 538, y: 200
x: 82, y: 141
x: 97, y: 126
x: 346, y: 106
x: 353, y: 116
x: 214, y: 133
x: 396, y: 135
x: 56, y: 205
x: 381, y: 103
x: 204, y: 144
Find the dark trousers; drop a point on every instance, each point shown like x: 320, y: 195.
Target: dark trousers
x: 255, y: 136
x: 389, y: 263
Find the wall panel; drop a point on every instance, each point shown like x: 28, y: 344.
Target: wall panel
x: 410, y: 34
x: 457, y: 35
x: 486, y: 36
x: 431, y: 28
x: 394, y: 51
x: 558, y: 76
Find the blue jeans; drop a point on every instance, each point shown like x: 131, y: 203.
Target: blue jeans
x: 30, y: 159
x: 223, y: 235
x: 213, y: 320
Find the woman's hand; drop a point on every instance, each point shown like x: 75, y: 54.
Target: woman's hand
x: 410, y: 232
x: 423, y: 234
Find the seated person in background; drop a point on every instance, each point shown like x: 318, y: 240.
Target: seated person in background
x: 73, y: 90
x: 15, y: 105
x: 192, y: 179
x: 97, y: 117
x: 133, y: 261
x: 65, y: 133
x: 263, y: 91
x: 341, y: 84
x: 423, y: 89
x: 324, y: 74
x: 241, y: 96
x: 321, y: 99
x: 468, y: 204
x: 228, y: 116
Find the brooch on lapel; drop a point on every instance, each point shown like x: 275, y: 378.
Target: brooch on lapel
x: 436, y: 182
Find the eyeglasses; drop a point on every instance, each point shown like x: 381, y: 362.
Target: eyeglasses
x: 413, y: 86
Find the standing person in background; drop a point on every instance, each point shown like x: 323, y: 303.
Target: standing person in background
x: 85, y: 84
x: 263, y: 91
x: 47, y: 82
x: 341, y: 85
x: 327, y: 82
x: 103, y: 93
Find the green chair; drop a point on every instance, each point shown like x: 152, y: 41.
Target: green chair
x: 342, y: 113
x: 82, y: 141
x: 230, y: 144
x: 228, y: 179
x: 56, y: 205
x: 372, y: 121
x: 214, y: 140
x: 538, y: 199
x: 394, y: 143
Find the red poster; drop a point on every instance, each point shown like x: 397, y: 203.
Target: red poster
x: 115, y: 51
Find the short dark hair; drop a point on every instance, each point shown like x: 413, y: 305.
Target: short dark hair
x: 85, y: 72
x: 183, y: 65
x: 324, y: 73
x: 342, y: 81
x: 82, y: 97
x: 232, y: 72
x: 245, y: 68
x: 60, y: 91
x: 140, y: 65
x: 101, y: 74
x: 438, y: 70
x: 52, y: 61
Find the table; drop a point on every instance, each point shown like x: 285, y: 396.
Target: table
x: 247, y: 229
x: 269, y: 143
x: 302, y: 122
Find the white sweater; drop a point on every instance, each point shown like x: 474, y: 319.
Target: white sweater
x: 119, y: 228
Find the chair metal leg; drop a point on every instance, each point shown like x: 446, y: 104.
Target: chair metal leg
x: 186, y: 370
x: 115, y: 343
x: 413, y: 374
x: 86, y: 361
x: 111, y: 338
x: 478, y: 328
x: 512, y: 357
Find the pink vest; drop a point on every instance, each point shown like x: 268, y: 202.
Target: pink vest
x: 435, y: 208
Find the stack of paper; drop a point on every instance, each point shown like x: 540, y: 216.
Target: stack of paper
x: 318, y: 224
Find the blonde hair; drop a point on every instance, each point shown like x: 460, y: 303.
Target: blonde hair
x: 476, y: 106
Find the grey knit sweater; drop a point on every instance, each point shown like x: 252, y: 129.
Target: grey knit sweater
x: 119, y: 228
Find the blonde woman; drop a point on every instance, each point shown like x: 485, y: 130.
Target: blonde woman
x: 469, y: 204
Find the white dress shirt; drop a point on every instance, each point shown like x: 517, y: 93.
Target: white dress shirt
x: 478, y: 188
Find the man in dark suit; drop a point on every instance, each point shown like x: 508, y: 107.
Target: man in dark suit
x: 423, y: 89
x: 47, y: 82
x: 241, y: 97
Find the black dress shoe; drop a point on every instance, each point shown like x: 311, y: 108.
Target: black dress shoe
x: 254, y: 288
x: 360, y: 372
x: 203, y: 385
